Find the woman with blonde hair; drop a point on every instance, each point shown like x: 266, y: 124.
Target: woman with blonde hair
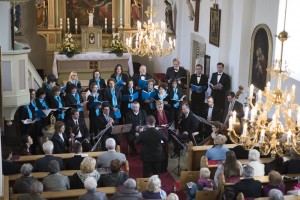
x: 73, y: 80
x: 87, y: 169
x: 275, y: 182
x: 154, y: 190
x: 217, y: 152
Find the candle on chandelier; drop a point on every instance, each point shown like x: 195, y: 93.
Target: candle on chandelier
x: 268, y: 87
x: 253, y: 114
x: 293, y: 91
x: 259, y: 95
x: 230, y: 124
x: 170, y: 42
x: 246, y: 113
x: 289, y: 135
x: 298, y: 117
x: 262, y: 136
x: 139, y: 25
x: 233, y: 117
x: 174, y: 43
x: 289, y: 113
x: 245, y: 130
x: 251, y: 91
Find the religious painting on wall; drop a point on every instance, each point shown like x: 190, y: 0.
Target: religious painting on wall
x: 136, y: 12
x: 215, y: 25
x: 80, y: 9
x: 261, y: 56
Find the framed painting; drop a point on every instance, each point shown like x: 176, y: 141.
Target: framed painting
x: 260, y: 56
x: 214, y: 26
x: 79, y: 9
x: 207, y: 65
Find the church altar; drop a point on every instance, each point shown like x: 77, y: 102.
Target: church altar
x: 85, y: 63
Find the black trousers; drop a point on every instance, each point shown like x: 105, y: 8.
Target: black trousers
x: 182, y: 138
x: 151, y: 168
x: 130, y: 139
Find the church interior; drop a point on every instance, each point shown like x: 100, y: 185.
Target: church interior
x: 180, y: 86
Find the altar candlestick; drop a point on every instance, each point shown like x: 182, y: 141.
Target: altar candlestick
x: 121, y: 21
x: 113, y: 23
x: 76, y: 25
x: 60, y: 23
x: 68, y: 24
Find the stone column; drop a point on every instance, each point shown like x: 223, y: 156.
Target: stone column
x: 127, y: 14
x: 51, y: 14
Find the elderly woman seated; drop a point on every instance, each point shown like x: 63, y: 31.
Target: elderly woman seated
x: 217, y: 152
x: 87, y: 169
x: 204, y: 183
x: 172, y: 196
x: 116, y: 177
x: 275, y: 194
x: 275, y: 182
x: 90, y: 184
x: 35, y: 192
x: 253, y: 157
x: 153, y: 189
x: 55, y: 181
x: 128, y: 192
x: 24, y: 183
x: 248, y: 186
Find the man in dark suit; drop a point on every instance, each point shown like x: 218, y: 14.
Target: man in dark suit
x: 198, y: 97
x: 231, y: 106
x: 219, y: 83
x: 105, y: 119
x: 137, y: 118
x: 188, y: 128
x: 248, y: 186
x: 152, y: 151
x: 74, y: 162
x: 142, y: 75
x: 41, y: 164
x: 176, y: 72
x: 76, y: 126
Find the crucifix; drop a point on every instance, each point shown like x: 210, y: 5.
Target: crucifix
x: 197, y: 15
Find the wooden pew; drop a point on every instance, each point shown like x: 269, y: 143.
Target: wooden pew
x: 286, y: 197
x: 141, y: 184
x: 188, y: 176
x: 206, y: 194
x: 196, y: 152
x: 5, y: 188
x: 70, y: 194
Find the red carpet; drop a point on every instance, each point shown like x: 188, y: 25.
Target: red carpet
x: 136, y: 171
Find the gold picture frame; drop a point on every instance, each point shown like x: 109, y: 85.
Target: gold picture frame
x: 215, y: 25
x: 260, y: 56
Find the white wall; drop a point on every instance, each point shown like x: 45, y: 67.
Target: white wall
x: 5, y: 32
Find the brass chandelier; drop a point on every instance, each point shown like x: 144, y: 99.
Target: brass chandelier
x: 150, y: 40
x: 279, y: 135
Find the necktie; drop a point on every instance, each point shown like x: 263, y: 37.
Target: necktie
x: 76, y: 122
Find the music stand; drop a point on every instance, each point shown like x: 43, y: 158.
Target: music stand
x: 119, y: 129
x: 177, y: 168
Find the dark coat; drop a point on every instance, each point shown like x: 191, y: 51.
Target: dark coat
x: 219, y: 95
x: 82, y: 127
x: 108, y: 96
x: 249, y: 187
x: 136, y: 77
x: 60, y: 145
x: 68, y: 87
x: 124, y: 77
x: 102, y: 83
x: 73, y: 163
x: 215, y: 115
x: 199, y: 97
x: 189, y: 124
x: 171, y: 74
x: 41, y: 164
x: 9, y: 168
x: 140, y: 119
x: 127, y: 194
x: 152, y: 150
x: 238, y: 107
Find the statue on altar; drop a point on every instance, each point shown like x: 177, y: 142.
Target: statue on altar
x: 136, y: 6
x: 91, y: 18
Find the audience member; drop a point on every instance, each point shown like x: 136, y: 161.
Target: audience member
x: 259, y: 168
x: 204, y: 183
x: 73, y: 163
x: 292, y: 166
x: 115, y: 177
x: 154, y: 190
x: 87, y: 169
x: 128, y: 192
x: 26, y: 142
x: 35, y: 194
x: 231, y: 168
x: 275, y: 164
x: 104, y: 159
x: 275, y: 182
x: 55, y: 181
x: 8, y: 166
x: 275, y: 194
x: 248, y: 186
x: 41, y: 164
x: 172, y: 196
x: 217, y: 152
x: 90, y: 184
x: 24, y: 183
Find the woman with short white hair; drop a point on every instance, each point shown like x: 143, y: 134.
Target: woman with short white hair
x: 218, y: 151
x: 254, y: 161
x: 90, y: 184
x: 275, y: 194
x: 24, y: 183
x: 153, y: 189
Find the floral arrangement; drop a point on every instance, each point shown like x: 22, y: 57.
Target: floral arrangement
x: 117, y: 45
x: 69, y: 47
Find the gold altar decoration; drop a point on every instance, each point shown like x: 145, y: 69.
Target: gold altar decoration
x: 150, y: 39
x: 281, y: 134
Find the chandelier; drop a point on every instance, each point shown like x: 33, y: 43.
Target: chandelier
x: 279, y: 135
x: 150, y: 40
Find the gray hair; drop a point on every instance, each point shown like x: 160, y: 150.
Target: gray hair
x: 110, y: 143
x: 275, y: 194
x: 53, y: 167
x: 90, y: 184
x: 204, y: 173
x: 37, y: 187
x: 48, y: 147
x: 154, y: 184
x: 26, y: 169
x: 130, y: 183
x: 253, y: 155
x: 248, y: 171
x: 172, y: 196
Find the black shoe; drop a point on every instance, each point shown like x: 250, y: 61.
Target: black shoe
x: 174, y: 156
